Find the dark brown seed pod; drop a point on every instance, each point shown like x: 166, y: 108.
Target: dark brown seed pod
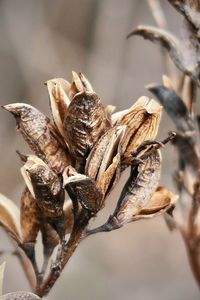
x: 85, y: 121
x: 39, y: 134
x: 83, y: 190
x: 30, y: 217
x: 45, y: 186
x: 139, y: 189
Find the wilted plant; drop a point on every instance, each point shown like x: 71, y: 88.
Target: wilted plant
x: 83, y: 152
x: 178, y: 95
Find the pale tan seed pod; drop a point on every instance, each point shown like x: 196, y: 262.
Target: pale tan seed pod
x: 10, y: 218
x: 58, y: 89
x: 40, y: 135
x: 104, y: 159
x: 139, y: 189
x: 142, y: 121
x: 30, y: 217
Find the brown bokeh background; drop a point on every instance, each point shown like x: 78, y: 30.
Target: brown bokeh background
x: 42, y: 39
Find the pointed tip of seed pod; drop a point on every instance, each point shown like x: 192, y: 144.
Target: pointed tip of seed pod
x: 77, y: 82
x: 134, y: 31
x: 23, y: 157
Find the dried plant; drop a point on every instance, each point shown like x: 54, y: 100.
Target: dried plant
x: 83, y: 152
x: 178, y: 95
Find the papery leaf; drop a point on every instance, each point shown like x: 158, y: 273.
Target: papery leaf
x: 85, y: 121
x: 37, y: 131
x: 20, y: 296
x: 174, y: 106
x: 190, y: 9
x: 59, y: 101
x: 165, y: 39
x: 82, y: 189
x: 142, y: 121
x: 10, y: 217
x: 138, y: 190
x: 30, y: 217
x: 79, y: 84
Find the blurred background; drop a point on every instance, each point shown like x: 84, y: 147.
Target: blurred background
x: 43, y: 39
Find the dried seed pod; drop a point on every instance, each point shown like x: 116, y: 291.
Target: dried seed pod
x: 45, y: 186
x: 174, y: 106
x: 30, y: 216
x: 103, y: 163
x: 139, y: 189
x: 83, y: 190
x: 39, y: 134
x: 142, y: 121
x: 160, y: 200
x: 10, y: 218
x: 85, y: 121
x: 59, y: 100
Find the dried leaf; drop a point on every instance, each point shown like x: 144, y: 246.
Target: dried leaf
x: 138, y: 190
x: 37, y: 131
x: 20, y: 296
x: 142, y: 121
x: 174, y: 106
x: 10, y: 217
x: 30, y: 217
x: 83, y: 189
x: 44, y: 185
x: 50, y: 239
x: 165, y: 39
x: 85, y: 122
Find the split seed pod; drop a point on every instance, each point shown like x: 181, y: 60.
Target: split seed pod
x: 58, y: 89
x: 82, y: 189
x: 44, y: 185
x: 39, y: 134
x: 85, y: 121
x: 103, y: 162
x: 142, y: 121
x: 138, y: 190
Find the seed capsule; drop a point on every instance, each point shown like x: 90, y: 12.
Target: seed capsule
x: 40, y: 135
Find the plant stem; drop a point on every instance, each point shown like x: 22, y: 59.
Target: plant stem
x: 66, y: 251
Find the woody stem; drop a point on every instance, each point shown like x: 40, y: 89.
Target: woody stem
x: 66, y: 251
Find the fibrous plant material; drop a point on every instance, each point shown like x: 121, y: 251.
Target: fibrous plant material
x: 81, y: 154
x: 179, y: 97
